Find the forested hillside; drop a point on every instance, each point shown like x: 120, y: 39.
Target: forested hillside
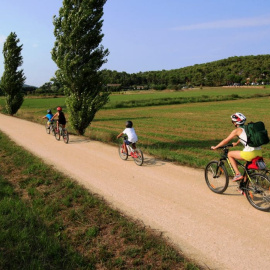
x: 233, y: 70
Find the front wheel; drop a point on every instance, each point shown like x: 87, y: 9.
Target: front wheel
x: 57, y: 134
x: 258, y: 192
x: 65, y: 136
x: 216, y: 177
x: 122, y: 153
x: 138, y: 157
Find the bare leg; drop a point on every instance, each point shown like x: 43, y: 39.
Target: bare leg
x: 232, y: 156
x: 134, y: 146
x: 125, y: 146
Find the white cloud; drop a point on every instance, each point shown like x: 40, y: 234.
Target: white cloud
x: 235, y: 23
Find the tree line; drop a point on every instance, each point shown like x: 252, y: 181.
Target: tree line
x: 233, y: 70
x: 242, y: 70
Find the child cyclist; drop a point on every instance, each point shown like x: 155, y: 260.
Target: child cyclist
x: 248, y: 153
x: 48, y: 116
x: 131, y: 134
x: 61, y: 118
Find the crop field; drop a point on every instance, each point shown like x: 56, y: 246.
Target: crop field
x: 182, y: 133
x: 152, y: 98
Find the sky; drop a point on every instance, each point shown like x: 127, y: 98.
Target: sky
x: 144, y: 35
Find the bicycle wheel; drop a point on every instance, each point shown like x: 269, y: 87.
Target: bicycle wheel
x: 47, y: 129
x: 65, y: 135
x: 121, y: 150
x: 52, y: 129
x: 138, y: 157
x: 258, y: 192
x: 216, y: 177
x: 57, y: 134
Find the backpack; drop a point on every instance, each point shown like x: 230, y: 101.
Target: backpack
x: 256, y: 134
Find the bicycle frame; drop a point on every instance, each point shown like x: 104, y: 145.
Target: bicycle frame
x: 244, y: 167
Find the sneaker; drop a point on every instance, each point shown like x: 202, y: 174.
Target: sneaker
x: 237, y: 177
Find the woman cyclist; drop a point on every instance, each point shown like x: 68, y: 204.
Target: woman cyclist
x: 248, y: 153
x: 61, y: 118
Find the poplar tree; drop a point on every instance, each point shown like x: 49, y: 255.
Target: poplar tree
x: 79, y: 55
x: 13, y: 79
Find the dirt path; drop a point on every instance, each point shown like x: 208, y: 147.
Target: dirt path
x: 218, y: 231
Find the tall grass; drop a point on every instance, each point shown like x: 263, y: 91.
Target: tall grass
x: 181, y: 133
x: 47, y: 221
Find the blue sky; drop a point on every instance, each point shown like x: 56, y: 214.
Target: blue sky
x: 144, y: 35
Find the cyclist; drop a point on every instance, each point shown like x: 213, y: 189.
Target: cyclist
x: 49, y: 116
x: 248, y: 153
x: 131, y: 134
x: 61, y: 118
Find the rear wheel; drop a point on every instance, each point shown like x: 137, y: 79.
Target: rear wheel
x: 122, y: 153
x: 65, y: 136
x: 216, y: 177
x: 258, y: 192
x: 52, y: 129
x: 138, y: 157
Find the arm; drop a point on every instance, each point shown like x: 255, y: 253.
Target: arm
x: 54, y: 116
x: 234, y: 133
x: 119, y: 135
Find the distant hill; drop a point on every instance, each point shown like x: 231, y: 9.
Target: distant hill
x: 233, y: 70
x: 27, y: 85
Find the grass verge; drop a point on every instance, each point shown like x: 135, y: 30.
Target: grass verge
x: 48, y: 221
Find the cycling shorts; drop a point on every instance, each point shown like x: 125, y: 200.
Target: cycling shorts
x: 249, y: 155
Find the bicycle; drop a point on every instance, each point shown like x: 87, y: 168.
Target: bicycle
x: 50, y: 128
x: 255, y: 185
x: 136, y: 154
x: 61, y: 132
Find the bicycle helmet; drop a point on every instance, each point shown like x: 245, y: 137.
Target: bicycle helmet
x: 238, y: 118
x: 49, y: 111
x: 59, y: 109
x: 129, y: 124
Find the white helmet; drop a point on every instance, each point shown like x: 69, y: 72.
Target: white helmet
x: 238, y: 118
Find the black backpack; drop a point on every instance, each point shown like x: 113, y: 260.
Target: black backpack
x: 257, y: 135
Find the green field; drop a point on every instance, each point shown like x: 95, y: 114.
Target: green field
x: 56, y: 224
x: 182, y: 133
